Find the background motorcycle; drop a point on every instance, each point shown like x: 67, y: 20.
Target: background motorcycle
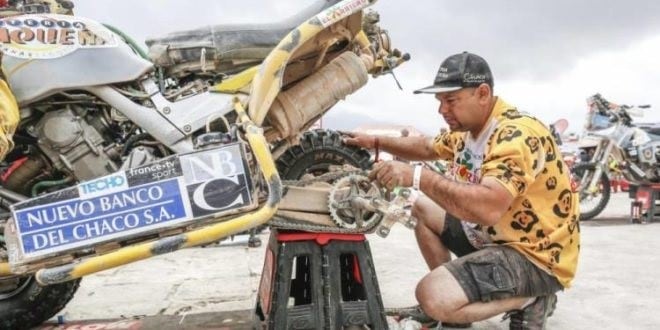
x: 611, y: 136
x: 104, y: 106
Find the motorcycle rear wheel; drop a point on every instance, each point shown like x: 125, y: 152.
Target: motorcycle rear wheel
x: 591, y: 205
x: 317, y: 151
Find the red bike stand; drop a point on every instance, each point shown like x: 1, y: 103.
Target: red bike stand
x: 318, y: 281
x: 644, y: 198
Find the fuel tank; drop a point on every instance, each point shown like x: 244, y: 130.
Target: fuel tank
x: 45, y: 54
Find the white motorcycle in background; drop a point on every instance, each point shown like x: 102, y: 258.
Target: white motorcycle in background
x: 611, y: 136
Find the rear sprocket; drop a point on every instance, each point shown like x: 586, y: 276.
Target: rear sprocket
x: 342, y: 202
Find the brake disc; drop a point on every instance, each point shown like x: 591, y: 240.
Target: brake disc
x: 344, y: 211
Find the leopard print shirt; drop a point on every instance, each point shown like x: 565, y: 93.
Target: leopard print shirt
x: 520, y: 153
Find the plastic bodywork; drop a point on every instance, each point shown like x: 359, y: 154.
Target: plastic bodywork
x: 74, y: 68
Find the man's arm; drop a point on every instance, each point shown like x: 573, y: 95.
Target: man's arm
x: 484, y: 203
x: 411, y: 147
x: 510, y: 167
x: 516, y: 156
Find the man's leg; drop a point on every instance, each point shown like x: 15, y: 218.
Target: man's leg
x: 434, y: 226
x: 442, y: 297
x: 430, y: 224
x: 483, y: 284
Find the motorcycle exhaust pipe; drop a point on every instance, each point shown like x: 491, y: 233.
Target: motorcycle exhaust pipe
x: 309, y: 99
x: 201, y: 236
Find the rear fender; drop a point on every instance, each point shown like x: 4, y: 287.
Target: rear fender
x: 341, y: 22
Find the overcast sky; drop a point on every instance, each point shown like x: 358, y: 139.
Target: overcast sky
x: 547, y: 56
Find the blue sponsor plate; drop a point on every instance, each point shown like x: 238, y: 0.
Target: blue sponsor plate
x: 166, y: 194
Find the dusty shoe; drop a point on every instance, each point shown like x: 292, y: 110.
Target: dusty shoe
x: 455, y: 325
x: 417, y: 314
x: 533, y: 317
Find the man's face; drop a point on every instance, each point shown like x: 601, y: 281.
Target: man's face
x: 460, y: 108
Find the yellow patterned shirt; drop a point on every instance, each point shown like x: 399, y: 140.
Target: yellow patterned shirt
x: 519, y: 152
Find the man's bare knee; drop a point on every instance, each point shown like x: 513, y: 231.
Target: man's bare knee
x: 418, y: 210
x: 440, y: 295
x: 431, y: 303
x: 428, y: 214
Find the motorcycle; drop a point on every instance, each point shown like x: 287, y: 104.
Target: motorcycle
x: 122, y: 155
x: 612, y: 139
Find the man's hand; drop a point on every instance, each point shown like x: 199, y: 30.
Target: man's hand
x: 392, y: 174
x: 360, y: 140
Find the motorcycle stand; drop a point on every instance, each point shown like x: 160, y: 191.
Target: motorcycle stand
x: 644, y: 199
x: 318, y: 281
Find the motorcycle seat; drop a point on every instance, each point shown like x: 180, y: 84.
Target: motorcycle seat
x: 235, y: 43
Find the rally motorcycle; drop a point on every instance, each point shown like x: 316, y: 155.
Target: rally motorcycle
x: 616, y: 140
x: 122, y: 155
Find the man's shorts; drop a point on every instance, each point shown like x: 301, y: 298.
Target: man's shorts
x: 494, y: 272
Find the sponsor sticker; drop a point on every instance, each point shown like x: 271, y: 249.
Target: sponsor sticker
x: 215, y: 181
x: 51, y: 36
x: 166, y: 193
x: 101, y: 186
x: 340, y: 11
x: 73, y: 223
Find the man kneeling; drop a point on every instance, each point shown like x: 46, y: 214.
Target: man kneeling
x: 506, y: 209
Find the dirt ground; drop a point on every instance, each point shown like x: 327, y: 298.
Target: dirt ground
x: 615, y: 286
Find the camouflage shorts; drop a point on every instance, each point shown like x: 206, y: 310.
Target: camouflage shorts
x: 495, y: 272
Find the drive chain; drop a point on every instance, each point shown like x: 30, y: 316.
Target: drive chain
x: 327, y: 177
x: 288, y: 224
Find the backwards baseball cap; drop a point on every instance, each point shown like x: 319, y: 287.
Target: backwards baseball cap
x: 460, y: 71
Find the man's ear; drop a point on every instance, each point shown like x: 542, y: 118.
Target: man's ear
x: 484, y: 92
